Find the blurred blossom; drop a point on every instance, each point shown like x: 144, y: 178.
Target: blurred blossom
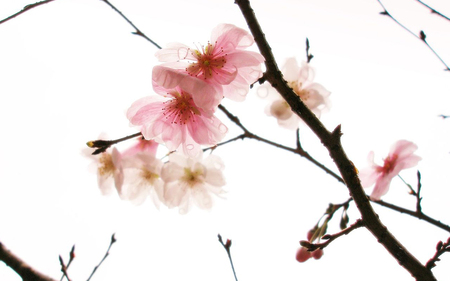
x: 192, y: 180
x: 109, y: 169
x: 142, y: 179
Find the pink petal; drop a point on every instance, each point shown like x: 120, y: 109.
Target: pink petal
x: 231, y: 37
x: 173, y: 52
x: 291, y: 70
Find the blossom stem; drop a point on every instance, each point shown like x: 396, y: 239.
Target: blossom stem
x: 331, y: 140
x: 411, y: 190
x: 26, y: 8
x: 421, y: 35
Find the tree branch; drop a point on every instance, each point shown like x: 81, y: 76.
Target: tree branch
x: 421, y: 36
x: 137, y: 32
x: 331, y: 140
x: 26, y: 272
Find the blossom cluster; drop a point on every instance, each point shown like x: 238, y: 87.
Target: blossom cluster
x: 190, y: 84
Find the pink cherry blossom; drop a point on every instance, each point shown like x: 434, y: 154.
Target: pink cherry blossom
x: 300, y: 79
x: 222, y: 61
x: 175, y: 119
x: 401, y: 156
x: 142, y: 179
x: 141, y: 146
x: 192, y: 180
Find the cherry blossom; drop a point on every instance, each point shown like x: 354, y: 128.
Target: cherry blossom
x: 223, y: 61
x: 300, y: 79
x: 192, y: 180
x: 173, y: 118
x: 109, y: 169
x: 401, y: 156
x: 142, y: 179
x: 142, y: 146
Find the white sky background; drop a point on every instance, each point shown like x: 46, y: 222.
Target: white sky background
x: 70, y: 69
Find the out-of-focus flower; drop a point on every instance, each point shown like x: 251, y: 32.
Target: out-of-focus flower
x: 314, y: 95
x: 109, y: 169
x: 223, y: 61
x: 192, y: 180
x: 175, y: 119
x: 142, y: 179
x: 401, y: 156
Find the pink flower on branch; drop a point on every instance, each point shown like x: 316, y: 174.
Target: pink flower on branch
x: 192, y: 180
x: 400, y: 157
x: 300, y: 79
x: 175, y: 119
x: 223, y: 61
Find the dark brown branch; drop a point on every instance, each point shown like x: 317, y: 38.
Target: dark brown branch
x: 421, y: 36
x: 331, y: 140
x: 26, y: 8
x: 298, y: 150
x: 25, y: 271
x: 137, y: 32
x: 434, y: 11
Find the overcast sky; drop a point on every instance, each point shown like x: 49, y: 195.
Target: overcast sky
x: 70, y: 69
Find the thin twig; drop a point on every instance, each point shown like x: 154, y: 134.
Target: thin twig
x: 433, y: 10
x: 309, y: 56
x: 113, y: 240
x: 441, y: 248
x: 26, y: 8
x: 421, y: 36
x: 227, y: 246
x: 64, y: 268
x: 298, y: 150
x: 71, y: 257
x: 420, y: 216
x: 103, y: 145
x: 137, y: 32
x: 418, y: 198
